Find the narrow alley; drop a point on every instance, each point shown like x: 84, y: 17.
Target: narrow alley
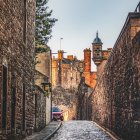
x: 77, y: 81
x: 80, y: 130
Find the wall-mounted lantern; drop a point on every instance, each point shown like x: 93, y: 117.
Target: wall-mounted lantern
x: 46, y: 87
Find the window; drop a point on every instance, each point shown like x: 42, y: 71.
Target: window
x: 97, y: 50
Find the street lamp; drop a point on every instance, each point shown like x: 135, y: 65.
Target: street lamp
x: 46, y: 86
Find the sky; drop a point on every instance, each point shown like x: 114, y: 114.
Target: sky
x: 79, y: 20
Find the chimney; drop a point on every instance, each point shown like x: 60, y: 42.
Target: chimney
x: 60, y: 54
x: 87, y: 60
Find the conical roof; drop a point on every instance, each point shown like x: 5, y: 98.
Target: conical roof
x: 97, y: 40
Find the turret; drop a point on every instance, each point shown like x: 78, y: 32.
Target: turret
x: 97, y: 50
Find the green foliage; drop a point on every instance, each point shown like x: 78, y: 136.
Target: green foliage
x: 44, y: 22
x: 41, y: 49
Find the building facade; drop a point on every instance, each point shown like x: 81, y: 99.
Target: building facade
x: 65, y: 80
x: 89, y: 79
x: 16, y: 68
x: 116, y: 98
x: 43, y: 74
x: 66, y: 71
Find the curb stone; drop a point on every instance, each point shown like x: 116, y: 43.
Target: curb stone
x: 111, y: 134
x: 49, y: 136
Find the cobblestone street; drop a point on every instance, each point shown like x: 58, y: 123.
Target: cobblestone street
x: 80, y: 130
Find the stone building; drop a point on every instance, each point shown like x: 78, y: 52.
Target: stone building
x: 89, y: 78
x: 43, y: 98
x: 116, y: 98
x: 66, y: 71
x: 85, y: 88
x: 17, y: 26
x: 65, y: 81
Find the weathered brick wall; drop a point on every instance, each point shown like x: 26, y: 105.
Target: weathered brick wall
x: 17, y: 49
x: 116, y: 99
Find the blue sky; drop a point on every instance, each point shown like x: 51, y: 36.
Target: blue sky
x: 79, y: 20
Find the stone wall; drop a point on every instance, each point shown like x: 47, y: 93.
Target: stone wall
x: 89, y: 107
x: 39, y: 78
x: 65, y: 99
x: 43, y: 72
x: 70, y: 76
x: 116, y: 99
x: 17, y: 56
x: 84, y: 106
x: 40, y: 109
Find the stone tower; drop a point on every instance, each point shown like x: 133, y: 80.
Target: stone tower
x: 97, y: 50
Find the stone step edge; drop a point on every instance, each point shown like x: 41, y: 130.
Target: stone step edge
x: 49, y: 136
x: 109, y: 132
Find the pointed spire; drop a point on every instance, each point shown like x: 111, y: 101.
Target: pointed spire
x: 97, y: 34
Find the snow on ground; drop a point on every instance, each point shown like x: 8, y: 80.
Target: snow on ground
x: 80, y: 130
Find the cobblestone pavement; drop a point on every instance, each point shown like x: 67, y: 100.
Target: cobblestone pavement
x: 43, y: 134
x: 80, y: 130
